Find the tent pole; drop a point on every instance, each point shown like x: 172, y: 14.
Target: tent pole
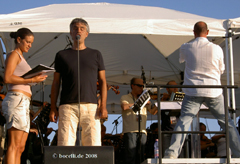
x: 227, y: 64
x: 232, y: 75
x: 2, y: 54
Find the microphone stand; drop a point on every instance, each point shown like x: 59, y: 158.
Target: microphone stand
x: 79, y: 91
x: 143, y: 76
x: 116, y: 123
x: 139, y: 135
x: 140, y: 119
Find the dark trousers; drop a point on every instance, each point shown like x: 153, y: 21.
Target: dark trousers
x: 132, y: 147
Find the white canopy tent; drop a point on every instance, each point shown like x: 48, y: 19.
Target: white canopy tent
x: 128, y: 36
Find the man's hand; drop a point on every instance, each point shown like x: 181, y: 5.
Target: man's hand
x: 148, y: 103
x: 102, y: 113
x: 33, y: 131
x: 53, y: 116
x: 165, y: 97
x: 49, y: 130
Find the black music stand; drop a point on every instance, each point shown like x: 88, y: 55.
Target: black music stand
x: 137, y: 109
x: 137, y: 106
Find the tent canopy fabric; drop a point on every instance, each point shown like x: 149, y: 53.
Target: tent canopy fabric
x: 108, y: 18
x: 128, y: 36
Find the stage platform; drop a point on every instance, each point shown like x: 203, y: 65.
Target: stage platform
x: 193, y: 160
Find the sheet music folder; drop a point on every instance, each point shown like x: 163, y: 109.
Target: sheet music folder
x: 178, y: 96
x: 45, y: 70
x: 141, y: 101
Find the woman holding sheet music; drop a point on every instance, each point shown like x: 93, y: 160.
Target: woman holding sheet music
x: 15, y: 106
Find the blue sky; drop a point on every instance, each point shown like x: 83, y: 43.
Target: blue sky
x: 220, y: 9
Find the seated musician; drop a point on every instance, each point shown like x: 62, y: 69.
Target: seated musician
x: 166, y: 96
x: 220, y: 141
x: 169, y: 118
x: 208, y: 148
x: 151, y: 139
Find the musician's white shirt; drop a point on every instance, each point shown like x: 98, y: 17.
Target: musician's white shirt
x: 130, y: 122
x: 203, y: 66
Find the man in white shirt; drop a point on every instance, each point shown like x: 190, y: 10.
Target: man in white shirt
x: 203, y: 66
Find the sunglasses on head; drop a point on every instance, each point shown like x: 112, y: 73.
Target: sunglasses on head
x: 139, y: 85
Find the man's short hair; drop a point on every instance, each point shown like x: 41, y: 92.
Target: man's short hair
x: 153, y: 126
x: 168, y: 83
x: 202, y: 124
x: 79, y: 20
x: 132, y: 81
x: 200, y: 27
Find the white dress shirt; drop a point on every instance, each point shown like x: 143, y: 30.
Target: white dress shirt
x: 203, y: 66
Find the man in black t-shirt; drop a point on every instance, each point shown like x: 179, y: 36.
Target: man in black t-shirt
x: 169, y: 118
x: 68, y: 76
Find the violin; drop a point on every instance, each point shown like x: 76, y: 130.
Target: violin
x: 204, y: 140
x: 114, y: 88
x: 2, y: 96
x: 163, y: 97
x: 153, y: 96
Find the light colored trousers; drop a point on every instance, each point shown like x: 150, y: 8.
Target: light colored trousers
x: 69, y: 120
x: 190, y: 108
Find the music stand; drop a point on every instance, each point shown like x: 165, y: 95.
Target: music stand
x: 137, y: 106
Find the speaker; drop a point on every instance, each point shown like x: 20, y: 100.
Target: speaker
x: 78, y: 154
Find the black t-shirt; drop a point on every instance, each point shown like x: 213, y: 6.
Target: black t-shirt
x: 167, y: 124
x: 66, y: 63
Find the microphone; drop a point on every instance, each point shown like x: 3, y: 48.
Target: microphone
x: 116, y: 121
x: 78, y: 37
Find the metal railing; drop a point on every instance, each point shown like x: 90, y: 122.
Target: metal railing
x: 160, y: 132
